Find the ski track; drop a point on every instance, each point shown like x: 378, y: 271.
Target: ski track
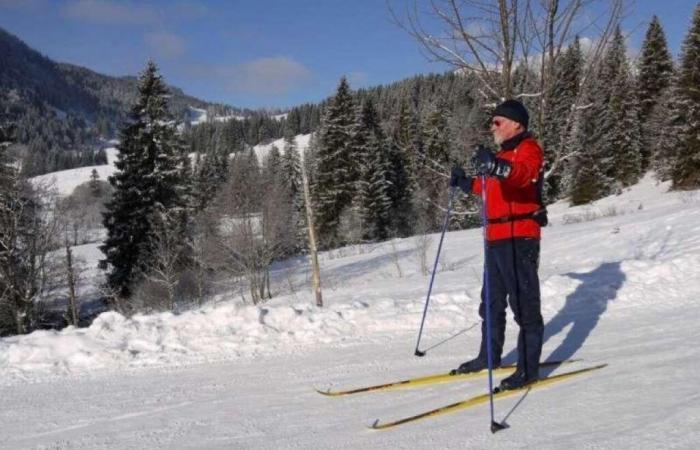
x: 642, y: 398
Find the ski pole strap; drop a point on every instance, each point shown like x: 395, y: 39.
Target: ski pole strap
x: 535, y: 215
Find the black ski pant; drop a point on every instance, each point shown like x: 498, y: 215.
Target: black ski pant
x: 512, y: 279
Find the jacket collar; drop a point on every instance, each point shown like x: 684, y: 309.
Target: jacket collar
x: 513, y: 142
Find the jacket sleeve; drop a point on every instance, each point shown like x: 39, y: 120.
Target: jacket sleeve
x: 526, y: 166
x: 477, y: 185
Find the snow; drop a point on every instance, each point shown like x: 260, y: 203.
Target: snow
x: 197, y: 116
x: 66, y: 181
x: 301, y: 142
x: 229, y: 117
x: 620, y: 281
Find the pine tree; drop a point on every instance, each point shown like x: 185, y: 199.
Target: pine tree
x: 95, y: 188
x: 273, y: 163
x: 602, y: 136
x: 402, y: 154
x: 149, y: 182
x: 278, y: 230
x: 655, y: 71
x: 434, y: 162
x: 626, y: 136
x: 587, y: 180
x: 608, y: 105
x: 557, y: 129
x: 373, y: 200
x: 101, y: 157
x: 245, y: 183
x: 669, y: 120
x: 336, y: 168
x: 526, y: 82
x: 686, y: 169
x: 292, y: 181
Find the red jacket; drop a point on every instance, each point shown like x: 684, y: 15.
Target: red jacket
x: 515, y: 195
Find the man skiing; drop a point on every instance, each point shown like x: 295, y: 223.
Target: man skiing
x: 514, y: 216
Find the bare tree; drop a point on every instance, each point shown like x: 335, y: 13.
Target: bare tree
x: 73, y: 313
x: 28, y: 230
x: 203, y: 254
x: 167, y: 249
x: 82, y: 210
x: 487, y: 39
x: 245, y: 253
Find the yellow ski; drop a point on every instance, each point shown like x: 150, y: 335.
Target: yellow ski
x: 484, y: 398
x: 434, y: 379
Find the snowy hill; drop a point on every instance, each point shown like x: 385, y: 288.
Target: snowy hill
x: 196, y: 116
x: 66, y: 181
x: 301, y: 141
x: 620, y: 281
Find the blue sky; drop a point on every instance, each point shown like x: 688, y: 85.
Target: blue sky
x: 248, y: 53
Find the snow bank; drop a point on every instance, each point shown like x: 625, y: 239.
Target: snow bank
x: 219, y: 332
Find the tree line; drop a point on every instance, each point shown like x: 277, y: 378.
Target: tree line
x: 182, y: 225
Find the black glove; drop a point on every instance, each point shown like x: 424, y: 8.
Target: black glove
x: 485, y: 163
x: 460, y: 178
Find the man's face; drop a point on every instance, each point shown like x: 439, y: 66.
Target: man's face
x: 503, y: 129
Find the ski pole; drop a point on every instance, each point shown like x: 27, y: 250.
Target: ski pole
x: 432, y: 276
x: 495, y: 426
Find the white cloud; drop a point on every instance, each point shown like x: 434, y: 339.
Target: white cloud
x: 165, y: 45
x: 268, y: 76
x: 105, y: 11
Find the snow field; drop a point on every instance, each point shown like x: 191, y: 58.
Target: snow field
x: 620, y: 280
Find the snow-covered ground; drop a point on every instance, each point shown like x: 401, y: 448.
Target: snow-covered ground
x: 65, y: 181
x: 620, y: 282
x: 196, y: 116
x: 301, y: 142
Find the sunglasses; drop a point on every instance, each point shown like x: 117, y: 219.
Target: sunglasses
x: 496, y: 123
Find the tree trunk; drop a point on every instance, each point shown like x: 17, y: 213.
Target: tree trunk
x: 312, y: 238
x: 72, y: 313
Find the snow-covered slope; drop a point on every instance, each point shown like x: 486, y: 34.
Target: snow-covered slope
x: 301, y: 142
x: 65, y: 181
x: 620, y: 282
x: 197, y: 116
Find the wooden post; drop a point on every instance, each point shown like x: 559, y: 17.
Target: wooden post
x: 312, y: 237
x: 70, y: 275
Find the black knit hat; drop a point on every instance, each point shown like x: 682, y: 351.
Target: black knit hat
x: 514, y: 110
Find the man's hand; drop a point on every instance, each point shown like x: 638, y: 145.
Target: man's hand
x: 457, y: 174
x: 460, y: 178
x: 485, y: 163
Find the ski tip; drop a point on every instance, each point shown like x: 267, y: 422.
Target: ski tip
x: 327, y: 392
x: 375, y: 425
x: 495, y: 426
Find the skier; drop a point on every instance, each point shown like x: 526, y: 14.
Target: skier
x: 514, y: 217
